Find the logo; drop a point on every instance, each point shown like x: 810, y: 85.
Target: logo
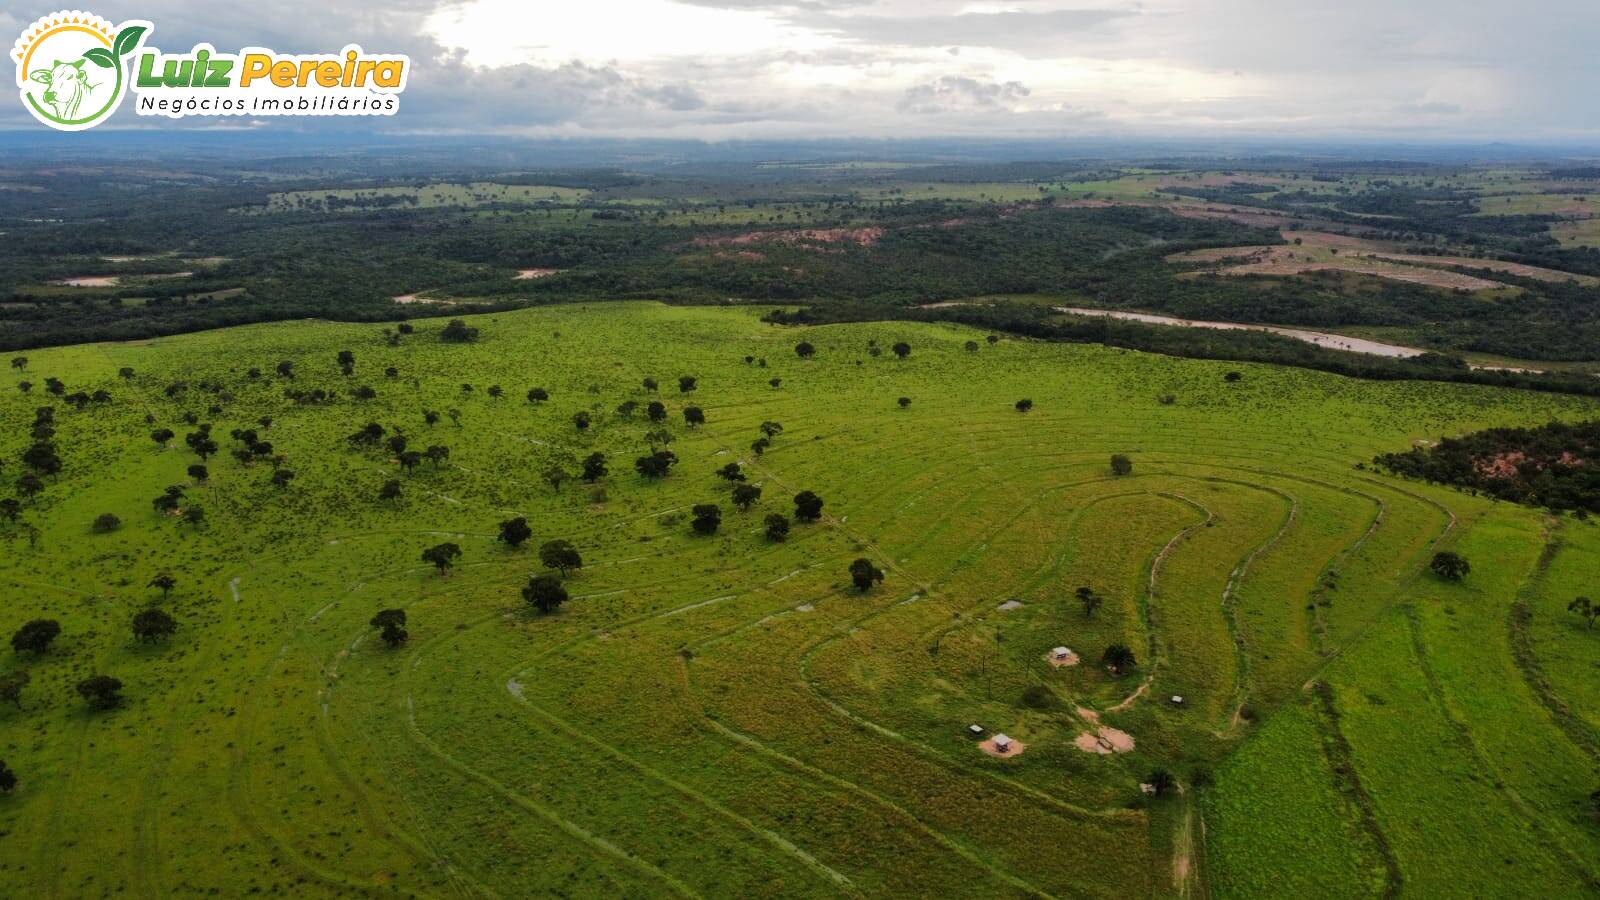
x: 73, y: 69
x: 70, y: 67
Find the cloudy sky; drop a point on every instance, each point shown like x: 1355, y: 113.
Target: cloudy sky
x: 717, y: 69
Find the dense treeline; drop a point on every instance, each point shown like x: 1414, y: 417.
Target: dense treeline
x: 1552, y: 465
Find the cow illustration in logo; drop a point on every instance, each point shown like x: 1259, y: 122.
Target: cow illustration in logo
x: 70, y: 67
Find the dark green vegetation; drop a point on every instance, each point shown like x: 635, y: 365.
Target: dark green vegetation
x: 1470, y: 263
x: 1555, y: 465
x: 556, y: 661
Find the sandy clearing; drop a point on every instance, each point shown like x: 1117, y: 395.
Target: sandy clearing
x: 1015, y: 749
x: 1071, y: 659
x: 525, y: 274
x: 418, y: 298
x: 1010, y: 605
x: 92, y: 281
x: 1493, y: 265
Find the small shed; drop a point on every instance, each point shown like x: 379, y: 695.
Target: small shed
x: 975, y: 730
x: 1177, y: 699
x: 1061, y: 652
x: 1002, y: 743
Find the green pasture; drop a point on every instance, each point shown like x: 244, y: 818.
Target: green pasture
x: 724, y: 715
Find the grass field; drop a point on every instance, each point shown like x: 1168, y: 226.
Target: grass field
x: 724, y: 715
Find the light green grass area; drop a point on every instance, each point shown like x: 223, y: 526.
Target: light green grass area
x: 444, y: 194
x: 726, y: 715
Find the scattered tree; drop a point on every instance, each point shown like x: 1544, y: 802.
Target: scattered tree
x: 392, y: 626
x: 1586, y: 609
x: 777, y: 527
x: 390, y: 490
x: 106, y: 523
x: 1118, y: 658
x: 730, y: 472
x: 1121, y: 464
x: 35, y: 636
x: 561, y: 555
x: 458, y: 332
x: 807, y: 506
x: 442, y: 556
x: 707, y: 518
x: 904, y: 402
x: 745, y: 496
x: 153, y: 625
x: 901, y: 349
x: 545, y: 593
x: 538, y: 395
x: 102, y: 691
x: 1231, y: 377
x: 1449, y: 565
x: 515, y: 532
x: 8, y: 778
x: 594, y: 467
x: 1090, y: 600
x: 1024, y: 405
x: 1161, y: 782
x: 657, y: 464
x: 163, y: 583
x: 804, y: 350
x: 656, y: 411
x: 864, y: 574
x: 687, y: 383
x: 555, y: 476
x: 693, y: 415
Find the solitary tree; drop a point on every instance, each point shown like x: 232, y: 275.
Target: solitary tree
x: 580, y: 420
x: 545, y: 593
x: 972, y: 346
x: 777, y: 527
x: 442, y: 556
x: 390, y: 490
x: 730, y: 472
x: 35, y: 636
x: 514, y: 532
x: 746, y: 495
x: 153, y: 625
x: 1586, y: 609
x: 1024, y: 405
x: 162, y: 436
x: 594, y: 467
x: 106, y: 522
x: 687, y: 383
x: 194, y: 514
x: 904, y: 402
x: 1118, y: 658
x: 282, y: 477
x: 1450, y: 566
x: 560, y: 554
x: 707, y: 518
x: 901, y: 349
x: 20, y: 363
x: 1091, y: 601
x: 1161, y: 782
x: 694, y: 415
x: 8, y: 778
x: 807, y: 506
x: 392, y: 626
x: 102, y: 691
x: 804, y: 350
x: 538, y: 395
x: 1231, y: 377
x: 164, y: 583
x: 864, y: 574
x: 650, y: 384
x: 1121, y: 464
x: 496, y: 391
x: 555, y: 476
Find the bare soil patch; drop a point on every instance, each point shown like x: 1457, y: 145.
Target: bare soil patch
x: 1015, y: 748
x: 526, y: 274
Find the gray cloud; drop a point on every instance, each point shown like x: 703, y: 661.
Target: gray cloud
x: 953, y: 94
x: 1293, y: 68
